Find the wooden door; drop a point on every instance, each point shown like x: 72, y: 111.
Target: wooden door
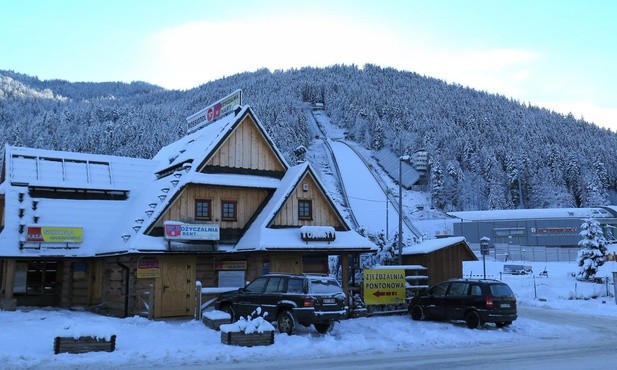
x: 291, y: 264
x: 176, y: 287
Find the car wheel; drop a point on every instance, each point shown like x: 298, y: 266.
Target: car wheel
x: 502, y: 324
x: 416, y: 313
x: 230, y: 310
x: 323, y: 328
x: 286, y: 322
x: 472, y: 319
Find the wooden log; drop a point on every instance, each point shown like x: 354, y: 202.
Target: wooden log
x: 248, y: 340
x: 84, y: 344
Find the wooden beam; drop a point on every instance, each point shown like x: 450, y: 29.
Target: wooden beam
x: 8, y: 278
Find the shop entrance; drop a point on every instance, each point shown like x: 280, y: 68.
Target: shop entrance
x: 175, y: 288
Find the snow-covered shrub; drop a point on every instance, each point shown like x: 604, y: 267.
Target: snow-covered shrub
x: 592, y: 249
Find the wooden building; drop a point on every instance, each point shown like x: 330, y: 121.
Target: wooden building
x: 443, y: 258
x: 112, y: 234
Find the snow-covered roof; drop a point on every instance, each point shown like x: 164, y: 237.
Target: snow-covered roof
x: 432, y: 245
x: 144, y: 189
x: 517, y: 214
x: 262, y: 237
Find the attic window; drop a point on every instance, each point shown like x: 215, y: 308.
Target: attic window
x: 203, y: 209
x: 305, y: 209
x: 229, y: 210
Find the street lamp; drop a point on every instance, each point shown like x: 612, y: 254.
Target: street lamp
x: 400, y: 207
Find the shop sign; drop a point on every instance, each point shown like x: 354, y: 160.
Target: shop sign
x: 384, y: 286
x: 230, y: 265
x: 182, y: 231
x: 148, y: 267
x: 46, y: 234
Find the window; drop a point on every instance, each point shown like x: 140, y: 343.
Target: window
x: 305, y: 209
x: 203, y: 209
x: 275, y: 285
x: 229, y: 210
x: 458, y: 289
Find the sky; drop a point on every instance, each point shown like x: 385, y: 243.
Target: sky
x: 557, y: 54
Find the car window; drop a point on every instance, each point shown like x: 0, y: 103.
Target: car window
x: 476, y: 291
x: 439, y: 290
x: 257, y: 285
x: 458, y: 289
x: 325, y: 286
x: 295, y: 286
x: 275, y: 285
x: 501, y: 290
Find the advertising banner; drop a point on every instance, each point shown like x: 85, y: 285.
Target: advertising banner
x: 182, y: 231
x: 383, y: 286
x: 148, y: 267
x: 216, y: 110
x: 45, y: 234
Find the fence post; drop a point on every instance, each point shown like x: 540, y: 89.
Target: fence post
x: 151, y: 302
x: 197, y: 300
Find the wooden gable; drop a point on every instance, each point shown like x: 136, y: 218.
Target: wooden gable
x: 323, y: 211
x: 249, y: 201
x: 245, y: 150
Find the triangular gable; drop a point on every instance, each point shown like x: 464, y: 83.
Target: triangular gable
x: 263, y: 234
x: 324, y: 211
x: 246, y: 147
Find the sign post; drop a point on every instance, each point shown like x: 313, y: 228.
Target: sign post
x: 484, y: 249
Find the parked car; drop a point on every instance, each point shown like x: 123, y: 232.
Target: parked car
x: 289, y: 299
x: 475, y: 301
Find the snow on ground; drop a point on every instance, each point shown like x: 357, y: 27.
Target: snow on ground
x: 27, y: 334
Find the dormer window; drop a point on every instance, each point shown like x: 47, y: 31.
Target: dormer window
x: 305, y: 209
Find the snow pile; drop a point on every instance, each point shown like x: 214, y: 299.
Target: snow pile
x: 252, y: 324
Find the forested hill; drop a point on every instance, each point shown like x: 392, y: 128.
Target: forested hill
x: 486, y: 151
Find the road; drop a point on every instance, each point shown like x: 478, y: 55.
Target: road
x: 558, y: 353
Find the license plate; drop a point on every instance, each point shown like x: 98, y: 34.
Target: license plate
x: 329, y: 301
x: 505, y: 305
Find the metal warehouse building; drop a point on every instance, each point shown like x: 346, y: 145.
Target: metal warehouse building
x: 555, y: 227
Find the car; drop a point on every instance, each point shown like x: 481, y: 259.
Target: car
x: 476, y: 301
x: 288, y: 300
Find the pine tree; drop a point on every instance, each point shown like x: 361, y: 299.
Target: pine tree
x: 593, y: 249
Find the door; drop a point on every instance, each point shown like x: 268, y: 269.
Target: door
x: 175, y: 289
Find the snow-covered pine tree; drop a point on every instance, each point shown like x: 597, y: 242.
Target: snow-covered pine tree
x: 592, y: 249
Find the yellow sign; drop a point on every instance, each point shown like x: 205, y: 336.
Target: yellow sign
x: 148, y: 267
x: 382, y: 286
x: 48, y: 234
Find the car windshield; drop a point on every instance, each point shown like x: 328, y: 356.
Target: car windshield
x: 501, y: 290
x: 325, y: 286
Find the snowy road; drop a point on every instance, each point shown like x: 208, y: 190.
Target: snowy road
x: 593, y: 350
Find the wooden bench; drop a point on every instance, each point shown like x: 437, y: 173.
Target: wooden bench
x: 84, y: 344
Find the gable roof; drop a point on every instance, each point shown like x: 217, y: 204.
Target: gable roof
x: 261, y: 236
x: 432, y: 245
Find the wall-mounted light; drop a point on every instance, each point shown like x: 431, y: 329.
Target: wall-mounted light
x: 35, y: 204
x: 21, y: 212
x: 35, y: 218
x: 305, y: 187
x: 21, y: 196
x: 21, y: 227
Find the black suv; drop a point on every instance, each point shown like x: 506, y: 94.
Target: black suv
x: 289, y: 299
x: 475, y: 301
